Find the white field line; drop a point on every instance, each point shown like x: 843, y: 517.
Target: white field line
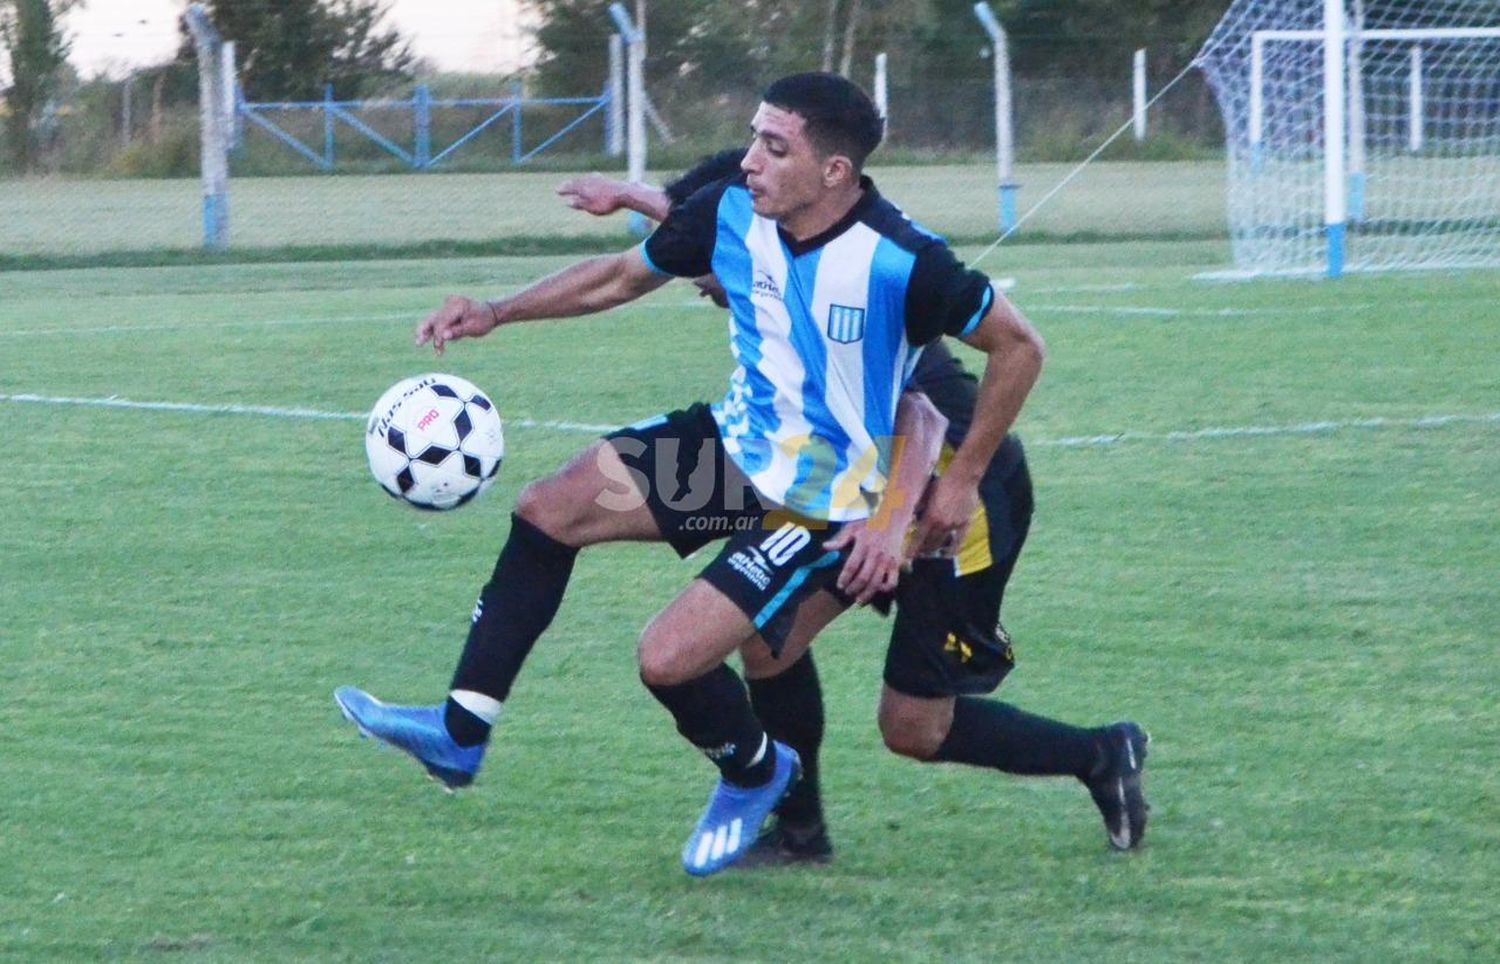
x: 1076, y: 289
x: 267, y: 411
x: 208, y: 325
x: 1159, y: 312
x: 1253, y: 431
x: 1078, y: 441
x: 413, y: 317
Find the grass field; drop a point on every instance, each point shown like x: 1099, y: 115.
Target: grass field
x: 69, y: 217
x: 1304, y: 615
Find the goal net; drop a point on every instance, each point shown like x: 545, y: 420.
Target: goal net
x: 1376, y: 150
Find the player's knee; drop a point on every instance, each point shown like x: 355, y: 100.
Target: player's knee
x: 913, y: 735
x: 532, y: 504
x: 655, y: 657
x: 907, y: 741
x: 551, y: 505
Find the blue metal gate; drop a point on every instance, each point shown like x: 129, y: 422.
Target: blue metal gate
x: 420, y: 156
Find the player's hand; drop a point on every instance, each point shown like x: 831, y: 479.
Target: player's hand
x: 949, y: 506
x: 708, y: 287
x: 874, y: 563
x: 593, y: 193
x: 459, y: 317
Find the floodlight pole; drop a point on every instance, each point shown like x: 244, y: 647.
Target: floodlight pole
x: 1005, y: 152
x: 229, y: 81
x: 212, y: 126
x: 127, y: 95
x: 635, y: 83
x: 614, y: 119
x: 1138, y: 94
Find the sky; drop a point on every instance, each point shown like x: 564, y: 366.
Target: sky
x: 481, y: 36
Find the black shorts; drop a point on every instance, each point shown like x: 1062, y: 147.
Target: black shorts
x: 772, y: 558
x: 947, y: 639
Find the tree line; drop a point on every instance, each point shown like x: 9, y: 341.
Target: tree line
x: 754, y: 41
x: 702, y: 53
x: 1071, y: 60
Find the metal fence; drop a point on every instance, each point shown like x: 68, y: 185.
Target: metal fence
x: 121, y: 162
x: 434, y: 129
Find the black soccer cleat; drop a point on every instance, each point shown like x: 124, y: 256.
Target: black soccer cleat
x: 780, y: 845
x: 1115, y: 784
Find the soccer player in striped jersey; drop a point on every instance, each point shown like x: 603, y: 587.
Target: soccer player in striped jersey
x: 832, y: 293
x: 947, y: 645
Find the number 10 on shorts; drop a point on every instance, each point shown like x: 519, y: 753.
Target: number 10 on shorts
x: 785, y: 543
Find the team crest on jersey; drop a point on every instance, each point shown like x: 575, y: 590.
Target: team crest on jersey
x: 846, y: 324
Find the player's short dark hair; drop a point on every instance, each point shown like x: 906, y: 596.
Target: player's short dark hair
x: 713, y: 168
x: 840, y: 117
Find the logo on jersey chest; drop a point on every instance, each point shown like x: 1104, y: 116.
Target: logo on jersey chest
x: 846, y: 324
x: 764, y: 286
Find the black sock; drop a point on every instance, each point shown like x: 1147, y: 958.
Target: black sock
x: 465, y: 728
x: 713, y: 713
x: 514, y: 609
x: 790, y: 705
x: 989, y: 733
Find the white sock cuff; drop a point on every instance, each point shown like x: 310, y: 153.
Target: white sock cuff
x: 487, y: 708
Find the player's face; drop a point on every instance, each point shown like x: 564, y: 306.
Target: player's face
x: 783, y: 171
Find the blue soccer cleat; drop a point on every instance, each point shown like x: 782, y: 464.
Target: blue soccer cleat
x: 416, y: 730
x: 729, y: 827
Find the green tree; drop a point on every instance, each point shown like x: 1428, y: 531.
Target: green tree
x: 755, y: 40
x: 289, y: 50
x: 1096, y: 38
x: 36, y: 51
x: 708, y: 59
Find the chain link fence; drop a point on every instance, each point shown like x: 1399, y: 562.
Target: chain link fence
x: 118, y: 160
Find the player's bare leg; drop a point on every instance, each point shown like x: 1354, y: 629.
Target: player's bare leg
x: 590, y: 500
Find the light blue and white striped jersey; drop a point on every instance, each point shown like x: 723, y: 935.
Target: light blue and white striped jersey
x: 825, y: 332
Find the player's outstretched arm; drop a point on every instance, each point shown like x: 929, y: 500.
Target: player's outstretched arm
x: 1016, y: 353
x: 600, y: 195
x: 880, y: 544
x: 597, y: 284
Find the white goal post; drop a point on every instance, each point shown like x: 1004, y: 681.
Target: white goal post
x: 1360, y: 137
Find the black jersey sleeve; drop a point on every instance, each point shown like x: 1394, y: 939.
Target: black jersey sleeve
x: 954, y: 392
x: 942, y: 296
x: 683, y: 244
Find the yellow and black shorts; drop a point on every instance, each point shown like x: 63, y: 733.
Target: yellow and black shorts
x: 947, y: 639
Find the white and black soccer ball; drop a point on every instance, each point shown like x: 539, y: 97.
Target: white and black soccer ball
x: 434, y: 441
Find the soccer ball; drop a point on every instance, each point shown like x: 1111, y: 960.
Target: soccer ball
x: 434, y: 441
